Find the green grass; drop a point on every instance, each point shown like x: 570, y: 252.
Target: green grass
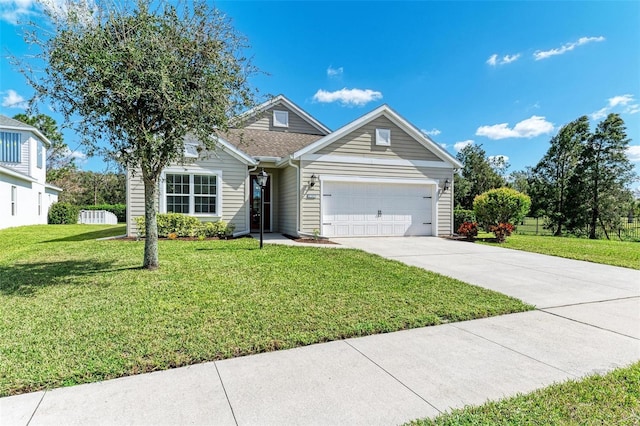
x: 613, y: 399
x: 75, y: 310
x: 609, y: 252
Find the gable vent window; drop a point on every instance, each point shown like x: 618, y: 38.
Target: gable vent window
x: 280, y: 118
x: 10, y: 147
x: 383, y: 137
x: 40, y: 155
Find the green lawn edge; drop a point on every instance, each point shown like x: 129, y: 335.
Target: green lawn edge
x: 625, y: 254
x: 610, y: 399
x: 76, y: 310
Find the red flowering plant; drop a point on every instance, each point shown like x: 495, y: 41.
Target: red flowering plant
x: 502, y: 231
x: 469, y: 230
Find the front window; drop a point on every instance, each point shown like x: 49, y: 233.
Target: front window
x: 191, y: 193
x: 10, y: 146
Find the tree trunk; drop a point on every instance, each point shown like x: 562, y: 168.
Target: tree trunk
x: 595, y: 212
x: 151, y: 225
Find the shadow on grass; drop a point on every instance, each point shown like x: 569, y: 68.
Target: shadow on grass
x: 93, y: 235
x: 25, y: 279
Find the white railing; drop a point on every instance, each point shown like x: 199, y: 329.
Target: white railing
x: 97, y: 217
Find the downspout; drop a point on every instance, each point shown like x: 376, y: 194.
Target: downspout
x: 297, y: 195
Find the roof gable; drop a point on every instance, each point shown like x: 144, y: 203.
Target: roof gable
x: 12, y: 124
x: 288, y: 105
x: 395, y: 118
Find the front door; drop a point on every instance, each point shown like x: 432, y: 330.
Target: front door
x: 254, y: 201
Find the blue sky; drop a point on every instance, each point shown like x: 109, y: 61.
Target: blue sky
x: 506, y: 75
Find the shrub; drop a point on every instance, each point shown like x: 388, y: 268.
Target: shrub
x: 461, y: 215
x: 502, y: 231
x: 469, y: 230
x: 63, y: 214
x: 186, y: 226
x: 120, y: 210
x: 501, y: 205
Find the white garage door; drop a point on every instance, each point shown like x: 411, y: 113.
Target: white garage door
x: 355, y: 209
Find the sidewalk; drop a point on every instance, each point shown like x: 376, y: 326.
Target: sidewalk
x: 382, y: 379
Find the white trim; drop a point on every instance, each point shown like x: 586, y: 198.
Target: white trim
x: 55, y: 188
x: 383, y: 137
x: 280, y: 118
x: 370, y: 179
x: 31, y: 129
x: 265, y: 159
x: 386, y: 111
x: 191, y: 171
x: 287, y: 103
x: 400, y: 181
x: 330, y: 158
x: 233, y: 151
x: 16, y: 174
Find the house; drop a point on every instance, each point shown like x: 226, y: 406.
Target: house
x: 376, y: 176
x: 25, y: 197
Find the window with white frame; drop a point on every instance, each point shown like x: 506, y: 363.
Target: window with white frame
x: 10, y: 147
x: 14, y: 201
x: 39, y: 203
x: 191, y: 193
x: 40, y: 155
x: 280, y: 118
x: 383, y: 137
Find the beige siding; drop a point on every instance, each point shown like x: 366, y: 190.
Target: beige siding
x: 297, y: 124
x: 311, y: 205
x: 288, y: 201
x: 234, y: 194
x: 362, y: 142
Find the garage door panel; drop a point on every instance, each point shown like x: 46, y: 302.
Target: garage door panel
x: 376, y: 209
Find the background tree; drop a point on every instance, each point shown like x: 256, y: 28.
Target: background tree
x: 142, y: 79
x: 603, y: 174
x: 549, y: 183
x: 59, y: 158
x: 478, y: 175
x: 519, y: 180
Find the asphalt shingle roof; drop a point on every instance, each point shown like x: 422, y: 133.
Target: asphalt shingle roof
x: 263, y: 143
x: 6, y: 121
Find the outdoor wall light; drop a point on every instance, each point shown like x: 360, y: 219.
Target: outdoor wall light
x: 312, y: 181
x: 446, y: 185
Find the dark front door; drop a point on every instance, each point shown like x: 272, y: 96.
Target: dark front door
x: 254, y: 201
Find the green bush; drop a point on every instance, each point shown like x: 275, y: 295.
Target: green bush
x: 501, y: 205
x: 120, y: 210
x: 461, y: 216
x: 186, y: 226
x: 63, y: 214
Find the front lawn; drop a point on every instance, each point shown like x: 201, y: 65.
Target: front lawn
x: 613, y: 399
x: 609, y: 252
x: 76, y: 310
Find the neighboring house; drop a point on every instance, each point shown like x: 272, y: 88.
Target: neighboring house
x: 376, y: 176
x: 25, y: 197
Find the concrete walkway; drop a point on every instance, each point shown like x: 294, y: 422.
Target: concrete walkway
x: 589, y: 322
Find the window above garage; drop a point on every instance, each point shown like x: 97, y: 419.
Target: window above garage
x: 383, y: 137
x: 280, y: 118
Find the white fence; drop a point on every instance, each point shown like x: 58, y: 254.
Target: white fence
x: 97, y: 217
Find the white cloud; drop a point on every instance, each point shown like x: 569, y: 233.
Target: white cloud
x: 633, y: 152
x: 13, y: 100
x: 601, y: 113
x: 432, y: 132
x: 444, y: 145
x: 458, y: 146
x: 620, y: 100
x: 357, y: 97
x: 78, y: 155
x: 529, y: 128
x: 494, y: 60
x: 13, y: 11
x: 335, y: 72
x: 543, y: 54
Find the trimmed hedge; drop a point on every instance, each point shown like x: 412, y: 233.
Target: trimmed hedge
x: 63, y: 214
x: 186, y: 226
x: 120, y: 210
